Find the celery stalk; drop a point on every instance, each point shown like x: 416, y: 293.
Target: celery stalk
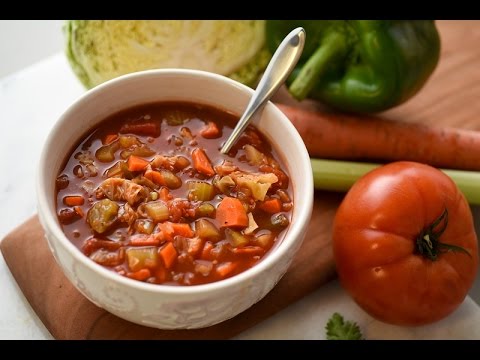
x: 336, y: 175
x: 200, y: 191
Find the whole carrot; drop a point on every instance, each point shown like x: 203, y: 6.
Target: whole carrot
x: 347, y: 137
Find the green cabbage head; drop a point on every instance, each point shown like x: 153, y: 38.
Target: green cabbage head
x: 99, y: 50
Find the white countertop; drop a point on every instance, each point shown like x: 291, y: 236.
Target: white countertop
x: 30, y: 102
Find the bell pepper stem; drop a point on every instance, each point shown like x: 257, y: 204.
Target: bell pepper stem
x: 333, y: 46
x: 336, y: 175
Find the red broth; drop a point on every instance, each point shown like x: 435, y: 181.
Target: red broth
x: 148, y: 195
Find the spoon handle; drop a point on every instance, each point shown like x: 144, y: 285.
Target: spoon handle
x: 281, y: 65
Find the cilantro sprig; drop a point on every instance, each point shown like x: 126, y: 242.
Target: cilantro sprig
x: 339, y: 329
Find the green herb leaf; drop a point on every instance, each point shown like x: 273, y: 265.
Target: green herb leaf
x: 339, y: 329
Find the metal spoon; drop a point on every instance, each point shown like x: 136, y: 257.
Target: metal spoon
x: 281, y: 65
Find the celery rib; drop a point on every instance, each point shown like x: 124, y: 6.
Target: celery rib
x: 337, y: 175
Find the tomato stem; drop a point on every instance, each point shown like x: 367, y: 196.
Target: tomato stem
x: 428, y: 243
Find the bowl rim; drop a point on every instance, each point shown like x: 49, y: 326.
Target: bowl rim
x: 304, y: 196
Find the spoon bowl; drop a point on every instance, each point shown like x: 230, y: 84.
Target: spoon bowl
x: 280, y: 67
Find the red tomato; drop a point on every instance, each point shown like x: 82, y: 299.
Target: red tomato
x: 405, y: 244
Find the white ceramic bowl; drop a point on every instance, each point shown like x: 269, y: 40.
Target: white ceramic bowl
x: 162, y: 306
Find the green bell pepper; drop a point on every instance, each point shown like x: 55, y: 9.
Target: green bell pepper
x: 360, y: 65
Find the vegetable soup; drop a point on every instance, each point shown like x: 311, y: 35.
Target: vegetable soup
x: 148, y: 195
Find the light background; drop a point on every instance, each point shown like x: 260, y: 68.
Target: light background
x: 24, y: 42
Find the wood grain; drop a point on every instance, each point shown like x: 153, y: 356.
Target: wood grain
x: 451, y: 98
